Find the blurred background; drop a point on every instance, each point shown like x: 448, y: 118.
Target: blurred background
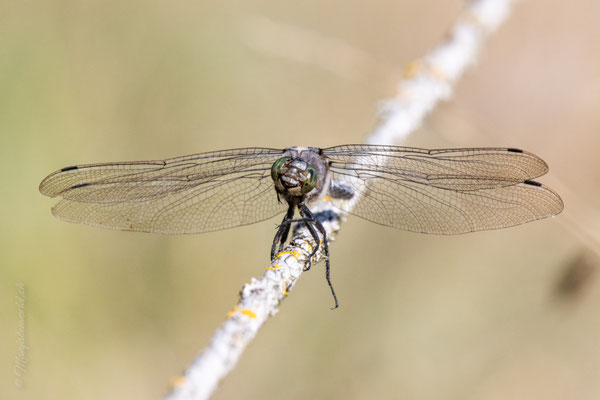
x: 509, y: 314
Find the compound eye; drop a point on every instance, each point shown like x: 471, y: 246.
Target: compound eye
x: 277, y: 167
x: 310, y: 183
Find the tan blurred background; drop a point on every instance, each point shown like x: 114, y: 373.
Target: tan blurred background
x: 510, y: 314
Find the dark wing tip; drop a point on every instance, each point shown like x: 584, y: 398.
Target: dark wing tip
x: 47, y: 188
x: 542, y: 165
x: 533, y: 183
x: 43, y: 187
x: 79, y: 185
x: 557, y: 202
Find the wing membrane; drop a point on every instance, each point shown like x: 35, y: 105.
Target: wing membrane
x: 191, y: 194
x: 443, y: 191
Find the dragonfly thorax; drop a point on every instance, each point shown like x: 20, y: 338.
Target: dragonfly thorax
x: 293, y: 177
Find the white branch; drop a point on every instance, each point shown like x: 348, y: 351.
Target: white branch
x: 427, y: 81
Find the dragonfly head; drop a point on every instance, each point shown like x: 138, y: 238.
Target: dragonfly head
x: 293, y: 176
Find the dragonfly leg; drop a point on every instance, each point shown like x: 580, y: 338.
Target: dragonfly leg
x: 286, y: 230
x: 310, y: 221
x: 285, y: 234
x: 309, y: 225
x: 282, y: 231
x: 328, y: 277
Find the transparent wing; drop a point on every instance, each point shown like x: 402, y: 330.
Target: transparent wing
x: 191, y: 194
x: 442, y: 191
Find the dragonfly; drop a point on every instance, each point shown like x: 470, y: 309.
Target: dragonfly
x: 442, y: 191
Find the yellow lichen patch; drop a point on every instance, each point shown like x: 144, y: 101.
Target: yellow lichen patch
x: 326, y: 198
x: 248, y: 313
x: 293, y: 253
x: 274, y: 267
x: 285, y: 292
x: 232, y: 312
x: 309, y: 247
x: 413, y: 69
x: 176, y: 381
